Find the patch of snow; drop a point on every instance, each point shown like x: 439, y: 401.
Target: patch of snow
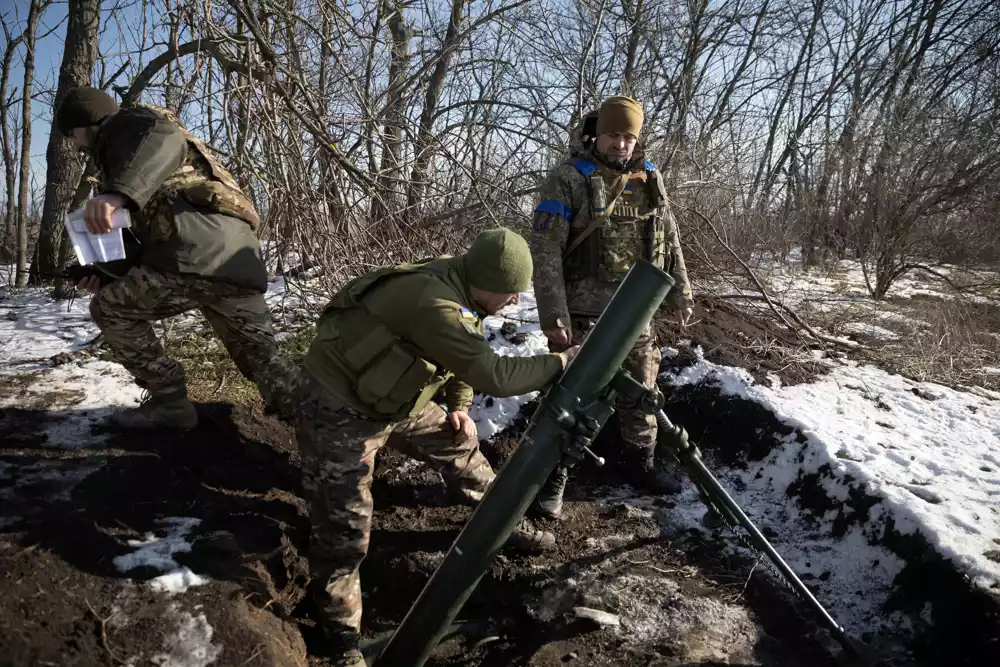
x: 190, y: 644
x: 158, y: 553
x: 870, y: 330
x: 33, y: 327
x: 931, y: 453
x: 72, y: 398
x: 493, y: 414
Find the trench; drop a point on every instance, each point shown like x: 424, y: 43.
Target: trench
x: 415, y: 524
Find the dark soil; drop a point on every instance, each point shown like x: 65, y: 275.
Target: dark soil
x: 63, y: 602
x: 733, y: 335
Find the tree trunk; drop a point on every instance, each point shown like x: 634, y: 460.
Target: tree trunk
x: 9, y: 241
x: 423, y: 148
x: 633, y: 11
x: 385, y: 201
x: 34, y: 13
x: 63, y: 175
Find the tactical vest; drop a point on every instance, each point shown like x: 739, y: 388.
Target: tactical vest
x: 201, y: 180
x: 630, y: 227
x: 386, y: 373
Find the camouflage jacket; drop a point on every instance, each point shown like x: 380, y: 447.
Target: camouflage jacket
x: 388, y: 341
x: 581, y: 283
x: 188, y: 213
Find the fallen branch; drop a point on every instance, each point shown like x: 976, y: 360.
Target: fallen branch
x: 822, y: 338
x: 103, y: 627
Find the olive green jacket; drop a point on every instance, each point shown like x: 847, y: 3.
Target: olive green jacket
x: 429, y: 310
x: 136, y: 152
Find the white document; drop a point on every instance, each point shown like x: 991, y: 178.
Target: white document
x: 92, y: 248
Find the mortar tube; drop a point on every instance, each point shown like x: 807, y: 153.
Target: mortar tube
x: 539, y: 451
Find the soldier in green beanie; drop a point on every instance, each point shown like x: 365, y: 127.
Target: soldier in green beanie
x: 386, y: 345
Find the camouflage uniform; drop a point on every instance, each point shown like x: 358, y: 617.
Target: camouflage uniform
x: 574, y: 287
x: 371, y: 375
x: 197, y: 249
x: 338, y: 448
x: 125, y: 309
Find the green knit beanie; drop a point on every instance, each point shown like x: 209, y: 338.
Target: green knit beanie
x: 499, y: 261
x: 82, y: 107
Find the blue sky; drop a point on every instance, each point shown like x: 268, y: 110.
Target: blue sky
x: 48, y: 57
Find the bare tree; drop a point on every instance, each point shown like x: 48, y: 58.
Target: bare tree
x: 35, y: 10
x: 64, y: 171
x: 8, y: 247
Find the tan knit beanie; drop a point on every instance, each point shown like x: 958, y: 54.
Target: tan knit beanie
x: 620, y: 115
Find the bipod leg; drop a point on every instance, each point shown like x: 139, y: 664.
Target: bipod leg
x: 675, y: 438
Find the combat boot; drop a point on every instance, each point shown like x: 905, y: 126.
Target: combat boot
x: 549, y: 501
x: 653, y: 481
x: 170, y: 411
x: 529, y: 539
x: 638, y: 466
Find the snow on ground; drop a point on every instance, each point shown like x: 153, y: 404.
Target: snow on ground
x: 931, y: 454
x: 493, y: 414
x: 158, y: 553
x: 844, y: 281
x: 869, y: 330
x: 188, y: 645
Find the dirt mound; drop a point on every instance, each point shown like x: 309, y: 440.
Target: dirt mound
x: 70, y: 517
x: 733, y: 335
x: 223, y: 500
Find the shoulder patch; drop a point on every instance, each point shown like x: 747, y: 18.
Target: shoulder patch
x: 585, y: 167
x: 554, y: 207
x: 470, y: 322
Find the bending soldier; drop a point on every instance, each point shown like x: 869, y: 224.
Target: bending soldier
x: 599, y: 212
x: 384, y: 347
x: 195, y: 230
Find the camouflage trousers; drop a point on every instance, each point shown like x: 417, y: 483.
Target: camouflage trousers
x: 637, y: 429
x: 125, y: 309
x: 338, y: 448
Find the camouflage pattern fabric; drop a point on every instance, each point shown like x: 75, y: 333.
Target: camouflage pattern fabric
x: 637, y: 429
x: 202, y: 179
x: 564, y: 290
x: 125, y: 309
x: 338, y: 448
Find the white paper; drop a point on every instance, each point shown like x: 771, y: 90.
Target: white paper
x: 92, y: 248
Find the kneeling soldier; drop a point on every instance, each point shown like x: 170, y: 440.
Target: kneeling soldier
x: 384, y: 347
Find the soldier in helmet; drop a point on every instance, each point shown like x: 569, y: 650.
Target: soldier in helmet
x: 386, y: 344
x: 197, y: 248
x: 599, y: 212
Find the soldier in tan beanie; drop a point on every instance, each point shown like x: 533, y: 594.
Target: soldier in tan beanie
x: 600, y: 211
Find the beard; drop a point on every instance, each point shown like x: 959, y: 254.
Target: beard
x: 615, y: 163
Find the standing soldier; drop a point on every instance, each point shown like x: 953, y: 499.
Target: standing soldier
x: 195, y: 231
x: 600, y: 211
x: 387, y: 343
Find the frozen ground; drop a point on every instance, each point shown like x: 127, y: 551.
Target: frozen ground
x: 928, y: 454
